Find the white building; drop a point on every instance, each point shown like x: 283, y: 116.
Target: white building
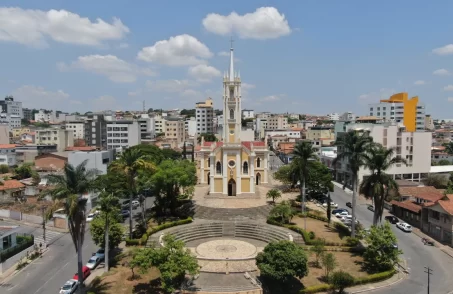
x: 60, y: 137
x: 8, y: 154
x: 146, y: 128
x: 260, y: 127
x: 159, y: 124
x: 288, y: 133
x: 415, y: 147
x: 248, y: 113
x: 123, y: 134
x: 204, y: 112
x: 13, y: 121
x: 264, y: 115
x: 11, y: 107
x: 347, y: 116
x: 98, y: 160
x: 277, y: 122
x: 394, y: 112
x: 45, y: 116
x: 333, y: 116
x: 191, y: 126
x: 78, y: 127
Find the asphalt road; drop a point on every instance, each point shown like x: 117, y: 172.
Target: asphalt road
x: 415, y: 253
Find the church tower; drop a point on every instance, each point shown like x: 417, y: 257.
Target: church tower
x: 232, y: 113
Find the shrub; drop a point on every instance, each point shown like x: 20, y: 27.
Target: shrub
x: 341, y: 280
x: 352, y: 242
x: 342, y: 228
x: 311, y: 235
x: 143, y: 239
x: 132, y: 242
x: 28, y: 241
x: 316, y: 289
x: 375, y: 277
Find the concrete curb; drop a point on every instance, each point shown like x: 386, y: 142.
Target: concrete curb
x: 420, y: 234
x: 383, y: 286
x: 8, y: 277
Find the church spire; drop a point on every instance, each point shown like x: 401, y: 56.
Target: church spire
x: 231, y: 73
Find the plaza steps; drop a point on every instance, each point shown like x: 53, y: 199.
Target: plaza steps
x: 258, y: 213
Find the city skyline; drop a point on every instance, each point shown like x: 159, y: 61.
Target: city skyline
x: 292, y: 58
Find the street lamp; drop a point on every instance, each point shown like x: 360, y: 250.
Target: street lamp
x: 44, y: 226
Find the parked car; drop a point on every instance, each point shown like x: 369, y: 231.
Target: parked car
x: 332, y: 204
x: 125, y: 213
x: 404, y: 227
x: 338, y: 210
x: 341, y: 214
x: 93, y: 262
x: 135, y: 204
x: 69, y: 287
x: 100, y: 253
x: 349, y: 204
x: 347, y: 218
x: 91, y: 216
x: 125, y: 204
x: 392, y: 219
x: 370, y: 207
x: 85, y: 273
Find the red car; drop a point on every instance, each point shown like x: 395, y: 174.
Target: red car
x: 85, y: 272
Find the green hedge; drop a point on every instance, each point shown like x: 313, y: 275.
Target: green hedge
x: 27, y: 241
x: 153, y: 230
x: 316, y: 289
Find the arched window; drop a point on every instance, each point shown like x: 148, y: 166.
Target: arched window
x: 231, y: 114
x: 258, y: 162
x: 245, y: 168
x: 218, y: 168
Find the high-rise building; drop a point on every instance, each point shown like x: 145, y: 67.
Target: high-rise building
x: 28, y: 113
x: 333, y: 116
x: 204, y: 112
x: 60, y: 137
x: 78, y: 127
x: 277, y: 122
x: 123, y: 134
x: 11, y: 107
x: 96, y: 130
x: 399, y: 108
x: 175, y: 131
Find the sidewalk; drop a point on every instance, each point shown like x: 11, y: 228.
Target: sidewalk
x: 445, y: 248
x: 50, y: 228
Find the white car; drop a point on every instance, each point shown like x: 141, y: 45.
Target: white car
x: 341, y: 214
x: 91, y: 217
x: 69, y: 287
x: 93, y: 262
x: 332, y: 204
x: 135, y: 204
x: 404, y: 227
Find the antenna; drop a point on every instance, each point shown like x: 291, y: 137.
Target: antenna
x: 144, y: 108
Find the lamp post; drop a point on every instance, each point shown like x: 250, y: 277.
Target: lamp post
x: 44, y: 225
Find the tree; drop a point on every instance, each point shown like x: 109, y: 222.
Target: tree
x: 449, y: 148
x: 340, y: 280
x: 282, y: 212
x: 4, y: 168
x: 173, y: 181
x: 273, y: 194
x: 330, y: 263
x: 381, y: 254
x: 102, y: 225
x: 304, y: 154
x: 36, y: 178
x: 184, y: 151
x: 281, y: 261
x: 23, y: 171
x: 377, y: 186
x: 285, y: 174
x: 318, y: 248
x: 437, y: 181
x: 319, y: 179
x: 352, y: 148
x: 129, y: 164
x: 444, y: 162
x: 173, y: 261
x: 329, y: 208
x: 208, y: 137
x: 68, y: 190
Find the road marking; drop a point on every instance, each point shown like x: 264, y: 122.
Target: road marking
x: 12, y: 287
x: 52, y: 277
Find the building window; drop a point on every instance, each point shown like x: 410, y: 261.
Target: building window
x: 258, y: 162
x: 218, y: 168
x: 245, y: 168
x: 209, y: 161
x: 231, y: 114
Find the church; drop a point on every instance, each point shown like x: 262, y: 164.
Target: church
x: 232, y: 167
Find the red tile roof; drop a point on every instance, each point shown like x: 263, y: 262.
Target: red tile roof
x: 7, y: 146
x: 428, y: 193
x: 248, y: 144
x: 208, y: 144
x: 409, y: 205
x: 11, y: 184
x: 81, y: 148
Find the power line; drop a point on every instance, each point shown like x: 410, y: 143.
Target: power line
x: 429, y: 272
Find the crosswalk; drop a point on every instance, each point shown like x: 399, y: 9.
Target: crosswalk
x: 51, y: 236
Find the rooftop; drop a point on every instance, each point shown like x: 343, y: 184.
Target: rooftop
x: 81, y: 148
x: 408, y: 204
x: 11, y: 184
x: 6, y: 229
x: 7, y: 146
x: 428, y: 193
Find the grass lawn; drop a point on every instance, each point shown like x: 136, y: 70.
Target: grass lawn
x: 347, y: 261
x: 320, y: 229
x: 118, y: 280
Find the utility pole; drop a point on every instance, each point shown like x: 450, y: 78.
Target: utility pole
x: 429, y: 272
x: 44, y: 226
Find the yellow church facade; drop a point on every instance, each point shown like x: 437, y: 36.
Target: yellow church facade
x: 232, y: 167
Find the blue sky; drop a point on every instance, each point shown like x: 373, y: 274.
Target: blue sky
x: 294, y: 56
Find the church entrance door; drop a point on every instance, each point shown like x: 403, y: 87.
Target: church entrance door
x: 209, y: 178
x: 258, y: 179
x: 231, y: 188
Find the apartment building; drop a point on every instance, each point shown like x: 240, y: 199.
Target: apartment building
x: 248, y: 113
x: 175, y: 132
x: 429, y: 123
x: 98, y: 160
x: 28, y: 153
x: 123, y: 134
x: 293, y: 133
x: 204, y: 113
x: 96, y: 130
x: 78, y: 127
x: 415, y: 147
x: 347, y: 116
x: 11, y: 107
x: 61, y: 137
x: 260, y: 127
x: 28, y: 113
x: 321, y: 133
x: 190, y: 125
x: 146, y: 128
x: 277, y: 122
x: 8, y: 154
x: 45, y: 116
x: 400, y: 109
x: 159, y: 124
x: 12, y: 120
x: 333, y: 116
x: 263, y: 115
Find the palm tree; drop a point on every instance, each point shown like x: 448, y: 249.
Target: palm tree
x: 129, y: 164
x: 68, y: 190
x: 449, y: 148
x: 273, y: 194
x: 352, y: 148
x: 303, y: 154
x: 108, y: 203
x: 377, y: 186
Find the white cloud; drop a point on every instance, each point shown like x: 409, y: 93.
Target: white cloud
x: 34, y: 27
x: 248, y: 86
x: 203, y: 72
x: 182, y: 50
x: 450, y: 99
x: 105, y: 102
x: 448, y: 88
x: 169, y: 86
x: 38, y: 97
x: 445, y: 50
x: 441, y: 72
x: 383, y: 93
x: 419, y: 83
x: 134, y: 93
x: 191, y: 93
x: 264, y: 23
x: 123, y: 45
x: 224, y: 54
x: 117, y: 70
x: 271, y: 98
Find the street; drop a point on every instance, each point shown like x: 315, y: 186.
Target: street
x: 415, y: 253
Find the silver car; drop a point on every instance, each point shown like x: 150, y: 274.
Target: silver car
x: 69, y: 287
